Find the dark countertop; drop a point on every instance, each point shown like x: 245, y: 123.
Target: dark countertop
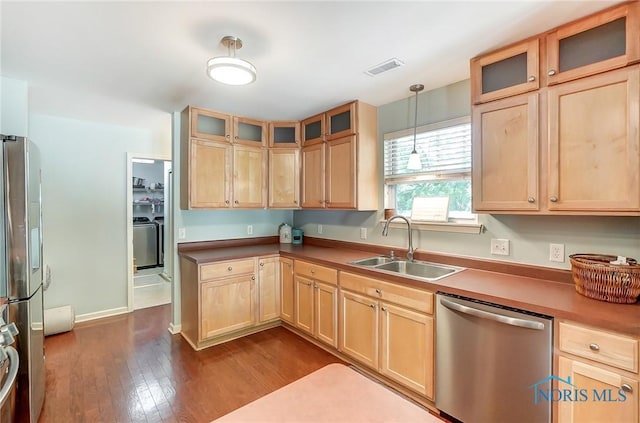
x: 557, y: 299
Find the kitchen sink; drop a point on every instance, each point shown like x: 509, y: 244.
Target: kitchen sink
x: 421, y: 270
x: 373, y: 261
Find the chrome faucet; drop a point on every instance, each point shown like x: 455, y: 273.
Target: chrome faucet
x: 385, y: 232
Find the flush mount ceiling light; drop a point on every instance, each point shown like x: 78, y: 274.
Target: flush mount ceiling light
x: 414, y: 159
x: 229, y: 69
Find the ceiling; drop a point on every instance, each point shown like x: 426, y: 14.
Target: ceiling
x: 131, y: 63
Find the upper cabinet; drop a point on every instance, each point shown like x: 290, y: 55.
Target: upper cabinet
x: 284, y: 134
x: 340, y: 169
x: 250, y: 132
x: 209, y: 125
x: 598, y: 43
x: 313, y: 130
x: 510, y: 71
x: 567, y: 142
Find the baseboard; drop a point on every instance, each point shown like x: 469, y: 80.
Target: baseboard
x: 100, y: 314
x: 174, y: 329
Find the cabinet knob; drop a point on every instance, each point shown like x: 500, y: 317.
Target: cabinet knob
x: 226, y: 201
x: 289, y: 264
x: 261, y: 264
x: 313, y: 271
x: 235, y: 202
x: 378, y: 291
x: 308, y: 283
x: 228, y: 136
x: 554, y: 199
x: 372, y: 305
x: 594, y: 347
x: 531, y: 200
x: 229, y: 268
x: 315, y: 285
x: 531, y: 78
x: 253, y: 278
x: 551, y: 72
x: 295, y: 201
x: 236, y: 137
x: 383, y: 308
x: 627, y: 388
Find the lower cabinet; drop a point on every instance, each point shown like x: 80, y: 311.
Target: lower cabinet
x: 602, y: 368
x: 287, y: 291
x: 316, y: 296
x: 388, y: 328
x: 228, y: 299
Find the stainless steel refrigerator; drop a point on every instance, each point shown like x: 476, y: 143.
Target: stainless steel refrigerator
x: 21, y: 267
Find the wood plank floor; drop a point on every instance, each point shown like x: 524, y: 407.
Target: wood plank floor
x: 129, y: 368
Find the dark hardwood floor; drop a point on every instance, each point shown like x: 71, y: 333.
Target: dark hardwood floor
x: 131, y: 369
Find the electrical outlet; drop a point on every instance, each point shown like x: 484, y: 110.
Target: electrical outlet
x: 319, y: 229
x: 556, y: 252
x: 500, y: 247
x: 182, y: 233
x: 363, y: 233
x: 249, y: 229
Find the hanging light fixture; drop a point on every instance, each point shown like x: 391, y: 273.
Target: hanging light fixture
x: 229, y: 69
x: 414, y: 159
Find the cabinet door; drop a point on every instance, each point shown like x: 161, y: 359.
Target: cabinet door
x: 249, y: 132
x: 226, y: 305
x: 406, y: 353
x: 326, y: 313
x: 284, y: 134
x: 595, y: 44
x: 593, y: 143
x: 313, y: 176
x: 510, y: 71
x: 359, y: 328
x: 341, y: 121
x: 313, y: 130
x: 284, y: 178
x: 269, y: 289
x: 210, y: 125
x: 287, y: 291
x: 593, y: 379
x: 209, y: 170
x: 505, y: 154
x: 341, y: 173
x: 249, y: 177
x: 304, y: 304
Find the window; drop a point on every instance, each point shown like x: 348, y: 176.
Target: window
x: 445, y: 152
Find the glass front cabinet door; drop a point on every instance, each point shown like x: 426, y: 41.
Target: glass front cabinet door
x: 284, y: 134
x: 210, y: 125
x: 340, y: 122
x: 249, y: 132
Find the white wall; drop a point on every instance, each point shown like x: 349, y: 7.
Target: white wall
x: 84, y: 209
x: 14, y: 107
x: 530, y: 235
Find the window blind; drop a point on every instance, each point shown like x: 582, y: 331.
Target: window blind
x: 445, y: 153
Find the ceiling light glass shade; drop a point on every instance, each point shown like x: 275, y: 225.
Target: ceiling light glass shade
x: 231, y: 70
x: 414, y: 162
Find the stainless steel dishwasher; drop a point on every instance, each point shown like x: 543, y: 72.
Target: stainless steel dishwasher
x: 488, y: 358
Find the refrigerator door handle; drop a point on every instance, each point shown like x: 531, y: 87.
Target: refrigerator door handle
x: 529, y: 324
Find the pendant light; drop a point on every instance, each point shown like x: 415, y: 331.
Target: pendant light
x: 414, y: 159
x: 229, y: 69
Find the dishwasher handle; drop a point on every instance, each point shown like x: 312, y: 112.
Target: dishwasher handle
x: 513, y: 321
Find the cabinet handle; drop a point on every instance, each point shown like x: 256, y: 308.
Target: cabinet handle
x: 253, y: 278
x: 531, y: 200
x: 313, y: 271
x: 228, y: 136
x: 627, y: 388
x: 229, y: 268
x: 235, y: 202
x: 383, y: 308
x: 289, y: 264
x: 295, y: 201
x: 261, y: 264
x: 236, y: 137
x: 531, y: 78
x: 308, y: 283
x: 226, y: 201
x: 372, y: 305
x: 551, y: 72
x: 554, y: 199
x: 594, y: 347
x: 378, y: 291
x: 315, y: 285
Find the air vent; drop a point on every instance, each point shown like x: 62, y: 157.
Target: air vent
x: 384, y: 67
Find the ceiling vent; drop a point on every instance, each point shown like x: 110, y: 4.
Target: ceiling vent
x: 384, y: 67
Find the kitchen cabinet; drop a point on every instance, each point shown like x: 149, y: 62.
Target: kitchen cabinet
x: 339, y: 170
x: 287, y: 291
x: 594, y: 128
x: 603, y: 367
x: 505, y: 154
x: 269, y: 288
x: 316, y: 296
x: 509, y: 71
x: 388, y: 328
x: 313, y: 130
x: 284, y: 134
x: 249, y: 177
x: 284, y: 178
x: 205, y: 174
x: 251, y: 132
x: 228, y: 299
x: 598, y: 43
x: 207, y: 124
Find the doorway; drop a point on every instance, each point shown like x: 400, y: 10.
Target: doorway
x: 148, y: 229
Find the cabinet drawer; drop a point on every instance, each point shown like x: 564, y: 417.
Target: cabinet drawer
x: 604, y: 347
x: 225, y: 269
x: 315, y: 271
x: 413, y: 298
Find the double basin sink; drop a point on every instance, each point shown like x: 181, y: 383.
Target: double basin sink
x: 420, y: 270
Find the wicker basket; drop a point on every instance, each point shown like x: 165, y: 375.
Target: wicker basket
x: 595, y: 277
